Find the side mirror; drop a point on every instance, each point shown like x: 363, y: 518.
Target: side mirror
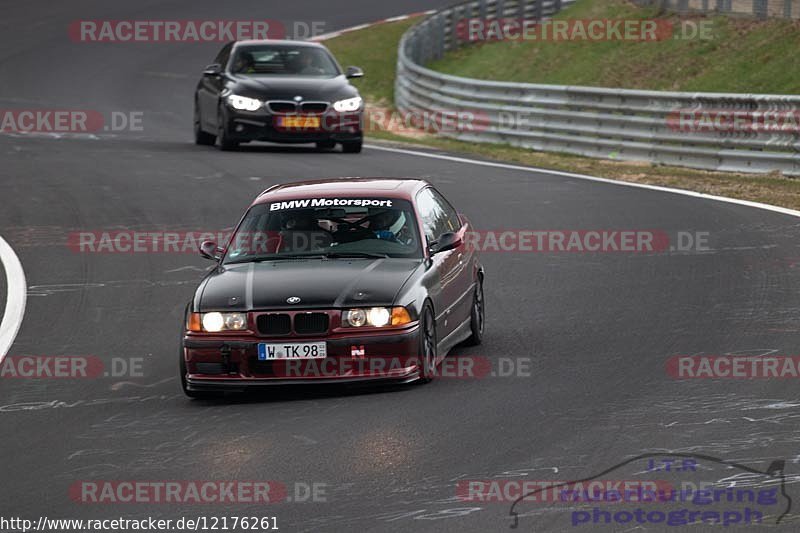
x: 210, y: 250
x: 214, y: 69
x: 446, y: 241
x: 354, y: 72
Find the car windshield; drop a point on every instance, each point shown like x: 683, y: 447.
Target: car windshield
x: 330, y: 227
x: 284, y: 60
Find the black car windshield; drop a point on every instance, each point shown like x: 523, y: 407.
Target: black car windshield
x: 329, y: 227
x: 284, y: 60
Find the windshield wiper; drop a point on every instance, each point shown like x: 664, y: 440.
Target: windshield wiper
x: 367, y: 255
x: 263, y: 258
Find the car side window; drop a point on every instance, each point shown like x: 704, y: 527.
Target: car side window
x: 438, y: 216
x: 450, y: 219
x: 224, y: 55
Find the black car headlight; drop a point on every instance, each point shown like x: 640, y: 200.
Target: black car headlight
x: 376, y: 317
x: 243, y: 103
x: 351, y: 104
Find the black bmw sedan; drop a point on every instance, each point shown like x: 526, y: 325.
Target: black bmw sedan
x: 278, y: 91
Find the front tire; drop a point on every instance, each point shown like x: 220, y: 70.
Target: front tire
x: 352, y: 147
x: 224, y: 141
x: 477, y: 316
x: 201, y: 137
x: 427, y: 346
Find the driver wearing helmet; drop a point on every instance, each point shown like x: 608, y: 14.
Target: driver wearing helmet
x: 383, y: 222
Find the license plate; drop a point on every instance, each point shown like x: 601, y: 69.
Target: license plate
x: 299, y: 122
x: 289, y: 350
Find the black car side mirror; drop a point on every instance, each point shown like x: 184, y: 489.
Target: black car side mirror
x: 354, y: 72
x: 214, y: 69
x: 210, y: 250
x: 446, y: 241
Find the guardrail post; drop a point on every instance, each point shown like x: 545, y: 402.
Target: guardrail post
x: 760, y: 8
x: 538, y: 9
x: 438, y: 46
x: 500, y: 9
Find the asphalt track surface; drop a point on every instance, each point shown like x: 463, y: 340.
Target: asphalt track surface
x: 597, y: 328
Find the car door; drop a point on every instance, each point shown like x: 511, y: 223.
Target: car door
x: 435, y: 221
x: 463, y: 278
x: 209, y: 89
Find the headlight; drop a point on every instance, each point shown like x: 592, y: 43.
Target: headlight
x: 244, y: 103
x: 377, y: 317
x: 351, y: 104
x: 216, y: 322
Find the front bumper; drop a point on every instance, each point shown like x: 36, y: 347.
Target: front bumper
x: 215, y: 363
x: 244, y: 126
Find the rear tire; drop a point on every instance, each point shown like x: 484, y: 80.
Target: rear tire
x: 352, y: 147
x: 427, y: 345
x: 201, y: 137
x: 477, y: 316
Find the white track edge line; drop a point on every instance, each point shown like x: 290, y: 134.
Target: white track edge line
x: 508, y: 166
x: 17, y: 290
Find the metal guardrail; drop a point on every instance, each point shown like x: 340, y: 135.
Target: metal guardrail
x: 590, y: 121
x: 758, y: 8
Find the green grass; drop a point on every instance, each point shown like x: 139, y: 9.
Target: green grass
x: 375, y: 50
x: 743, y: 55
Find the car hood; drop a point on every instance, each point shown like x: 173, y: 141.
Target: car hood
x: 319, y: 283
x: 287, y: 88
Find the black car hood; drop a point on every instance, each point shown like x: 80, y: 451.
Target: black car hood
x: 319, y: 284
x: 286, y: 88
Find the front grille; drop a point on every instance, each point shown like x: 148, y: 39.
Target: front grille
x: 282, y: 107
x: 311, y: 323
x: 289, y: 108
x: 277, y: 324
x: 316, y: 108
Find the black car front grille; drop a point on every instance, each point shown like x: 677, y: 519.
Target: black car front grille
x: 276, y: 324
x: 289, y: 108
x: 282, y: 107
x: 315, y: 108
x: 311, y: 323
x: 279, y: 324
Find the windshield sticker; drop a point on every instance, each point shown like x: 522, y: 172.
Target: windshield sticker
x: 329, y: 202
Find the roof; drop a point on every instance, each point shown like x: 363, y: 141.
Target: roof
x: 285, y: 42
x: 403, y: 188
